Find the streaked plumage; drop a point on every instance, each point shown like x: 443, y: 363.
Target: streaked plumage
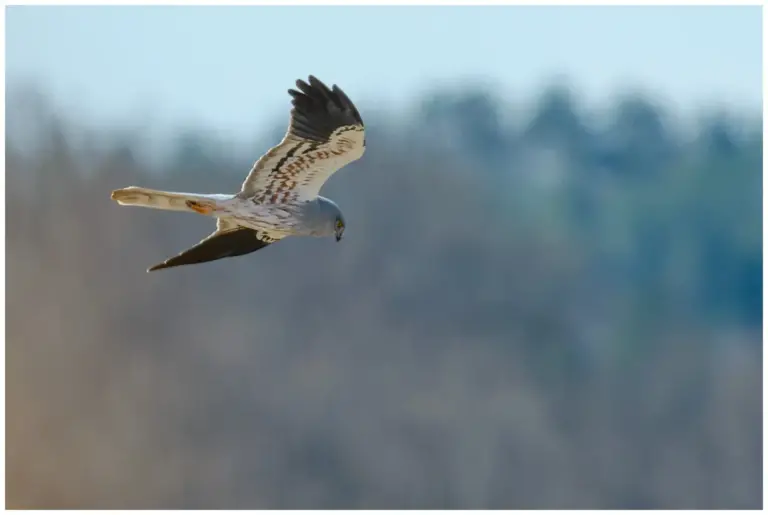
x: 280, y: 197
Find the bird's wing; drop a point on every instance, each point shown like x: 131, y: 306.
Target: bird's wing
x: 325, y: 133
x: 228, y: 240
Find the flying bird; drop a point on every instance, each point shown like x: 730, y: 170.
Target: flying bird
x: 280, y: 196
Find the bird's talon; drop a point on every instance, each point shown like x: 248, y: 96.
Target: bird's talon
x: 199, y: 207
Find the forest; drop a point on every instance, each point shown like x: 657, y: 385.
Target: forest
x: 550, y: 307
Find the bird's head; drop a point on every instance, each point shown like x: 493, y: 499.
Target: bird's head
x: 339, y: 226
x: 326, y: 218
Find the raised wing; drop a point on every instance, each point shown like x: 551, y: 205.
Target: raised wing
x: 325, y: 133
x: 228, y: 240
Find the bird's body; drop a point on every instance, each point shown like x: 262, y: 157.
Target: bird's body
x: 280, y: 197
x: 281, y: 219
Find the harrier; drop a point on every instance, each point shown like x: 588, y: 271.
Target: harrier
x: 280, y: 197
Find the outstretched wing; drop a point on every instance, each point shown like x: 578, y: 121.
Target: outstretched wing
x: 228, y: 240
x: 325, y: 133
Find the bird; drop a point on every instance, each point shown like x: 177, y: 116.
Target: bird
x: 280, y: 196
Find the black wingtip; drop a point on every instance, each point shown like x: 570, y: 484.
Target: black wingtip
x: 219, y: 245
x: 318, y: 110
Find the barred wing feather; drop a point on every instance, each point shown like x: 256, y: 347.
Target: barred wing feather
x: 325, y: 133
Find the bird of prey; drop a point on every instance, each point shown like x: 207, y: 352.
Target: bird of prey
x: 280, y: 197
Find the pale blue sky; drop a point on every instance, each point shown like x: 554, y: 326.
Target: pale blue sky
x: 230, y: 66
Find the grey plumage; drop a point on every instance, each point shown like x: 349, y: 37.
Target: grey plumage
x: 320, y: 217
x: 280, y: 196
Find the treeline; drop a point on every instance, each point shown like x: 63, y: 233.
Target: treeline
x: 556, y: 310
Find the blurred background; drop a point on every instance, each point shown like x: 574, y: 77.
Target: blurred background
x: 549, y: 294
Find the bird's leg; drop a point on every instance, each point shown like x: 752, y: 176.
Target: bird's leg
x: 201, y: 207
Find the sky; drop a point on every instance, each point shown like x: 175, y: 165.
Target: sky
x: 231, y: 66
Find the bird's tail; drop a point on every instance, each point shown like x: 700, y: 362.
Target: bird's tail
x: 168, y: 200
